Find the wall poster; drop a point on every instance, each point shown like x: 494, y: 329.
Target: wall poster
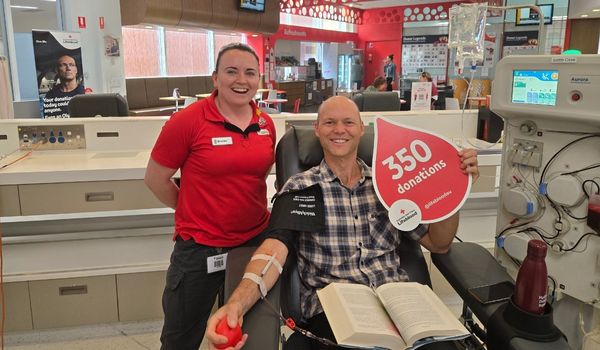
x: 59, y: 70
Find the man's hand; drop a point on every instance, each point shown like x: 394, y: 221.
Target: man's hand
x: 468, y: 159
x: 233, y: 313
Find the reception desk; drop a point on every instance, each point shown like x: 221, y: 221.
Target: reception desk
x: 86, y: 242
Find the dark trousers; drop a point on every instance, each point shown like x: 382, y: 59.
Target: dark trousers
x: 389, y: 83
x: 190, y: 293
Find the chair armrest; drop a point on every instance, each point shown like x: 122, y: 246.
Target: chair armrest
x: 261, y: 324
x: 469, y: 265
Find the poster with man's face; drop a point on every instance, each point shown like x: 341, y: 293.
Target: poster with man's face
x: 59, y: 70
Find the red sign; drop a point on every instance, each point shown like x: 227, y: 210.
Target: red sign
x: 417, y: 175
x: 101, y: 22
x: 81, y: 22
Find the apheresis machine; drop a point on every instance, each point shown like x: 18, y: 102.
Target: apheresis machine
x: 550, y: 180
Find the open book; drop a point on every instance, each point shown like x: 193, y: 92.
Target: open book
x: 404, y: 315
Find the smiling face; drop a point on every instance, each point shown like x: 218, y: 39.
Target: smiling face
x: 339, y: 128
x: 237, y: 77
x: 66, y: 69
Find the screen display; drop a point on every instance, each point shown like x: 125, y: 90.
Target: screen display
x: 253, y: 5
x: 527, y: 16
x: 536, y: 87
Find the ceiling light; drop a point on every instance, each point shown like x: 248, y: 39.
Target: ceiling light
x: 254, y: 35
x: 584, y: 15
x: 148, y: 27
x: 596, y: 10
x: 180, y: 29
x: 24, y: 7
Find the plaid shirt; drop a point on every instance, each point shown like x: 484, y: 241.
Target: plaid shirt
x: 359, y: 244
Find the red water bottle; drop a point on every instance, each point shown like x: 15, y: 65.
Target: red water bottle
x: 532, y: 279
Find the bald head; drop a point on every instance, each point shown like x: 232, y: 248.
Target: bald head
x: 338, y: 104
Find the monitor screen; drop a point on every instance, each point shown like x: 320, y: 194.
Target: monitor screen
x: 253, y: 5
x: 536, y: 87
x: 527, y: 16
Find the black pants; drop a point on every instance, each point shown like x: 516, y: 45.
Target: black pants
x: 190, y: 293
x: 389, y: 83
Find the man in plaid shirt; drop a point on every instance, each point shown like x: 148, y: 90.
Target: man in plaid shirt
x: 357, y: 244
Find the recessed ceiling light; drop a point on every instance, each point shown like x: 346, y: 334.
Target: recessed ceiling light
x: 180, y: 29
x: 584, y: 15
x: 24, y: 7
x: 254, y: 35
x: 596, y: 10
x: 148, y: 27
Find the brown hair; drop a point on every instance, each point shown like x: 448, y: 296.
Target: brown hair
x: 234, y: 46
x: 427, y: 76
x: 379, y: 81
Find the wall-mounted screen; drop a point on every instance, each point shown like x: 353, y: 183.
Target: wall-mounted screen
x: 536, y: 87
x: 253, y: 5
x: 527, y: 16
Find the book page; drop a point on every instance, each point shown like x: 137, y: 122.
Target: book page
x: 418, y: 312
x: 357, y: 317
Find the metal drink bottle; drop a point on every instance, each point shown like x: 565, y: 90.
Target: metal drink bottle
x: 532, y: 280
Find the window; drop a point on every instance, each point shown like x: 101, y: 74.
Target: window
x: 224, y: 39
x: 158, y: 51
x: 141, y: 47
x: 187, y: 53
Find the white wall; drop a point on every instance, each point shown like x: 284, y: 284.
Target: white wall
x: 102, y: 73
x: 288, y: 48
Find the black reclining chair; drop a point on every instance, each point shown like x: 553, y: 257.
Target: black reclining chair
x: 377, y: 101
x: 104, y: 105
x: 467, y: 265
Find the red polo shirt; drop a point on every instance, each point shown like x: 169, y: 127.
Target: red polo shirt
x: 223, y: 196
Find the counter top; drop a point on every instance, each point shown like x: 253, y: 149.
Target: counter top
x: 74, y: 166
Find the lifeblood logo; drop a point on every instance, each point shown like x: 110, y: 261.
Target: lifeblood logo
x: 417, y: 175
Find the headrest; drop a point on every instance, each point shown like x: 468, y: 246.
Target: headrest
x: 377, y: 101
x: 311, y: 153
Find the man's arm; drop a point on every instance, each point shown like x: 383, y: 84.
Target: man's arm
x: 247, y: 293
x: 441, y: 234
x: 158, y: 180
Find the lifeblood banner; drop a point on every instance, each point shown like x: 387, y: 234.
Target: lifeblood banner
x: 417, y: 175
x: 59, y: 70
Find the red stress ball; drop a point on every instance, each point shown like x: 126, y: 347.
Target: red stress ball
x: 234, y: 335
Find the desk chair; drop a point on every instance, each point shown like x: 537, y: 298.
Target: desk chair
x: 272, y: 95
x: 104, y: 105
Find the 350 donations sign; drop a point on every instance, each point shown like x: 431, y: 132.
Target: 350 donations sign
x: 417, y: 175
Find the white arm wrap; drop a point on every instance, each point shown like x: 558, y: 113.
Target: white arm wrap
x: 258, y: 280
x: 271, y: 260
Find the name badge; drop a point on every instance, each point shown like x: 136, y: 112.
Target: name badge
x: 222, y: 141
x: 263, y: 132
x: 216, y: 263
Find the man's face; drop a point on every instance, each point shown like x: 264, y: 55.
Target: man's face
x: 67, y: 69
x: 339, y: 128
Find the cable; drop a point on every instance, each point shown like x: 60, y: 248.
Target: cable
x: 597, y: 165
x: 543, y: 175
x: 591, y: 181
x: 579, y: 241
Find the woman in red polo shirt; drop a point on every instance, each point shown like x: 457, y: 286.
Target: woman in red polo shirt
x: 223, y: 147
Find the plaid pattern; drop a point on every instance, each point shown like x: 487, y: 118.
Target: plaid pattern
x: 359, y: 245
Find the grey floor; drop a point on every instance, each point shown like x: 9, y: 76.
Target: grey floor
x: 114, y: 336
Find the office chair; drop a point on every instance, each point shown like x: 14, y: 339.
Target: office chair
x: 104, y: 105
x: 377, y: 101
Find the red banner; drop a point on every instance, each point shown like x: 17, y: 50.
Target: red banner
x: 417, y: 175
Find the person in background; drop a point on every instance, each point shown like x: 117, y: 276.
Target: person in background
x: 216, y: 208
x: 352, y: 213
x: 389, y: 71
x: 69, y: 84
x: 426, y: 77
x: 379, y: 84
x: 356, y: 74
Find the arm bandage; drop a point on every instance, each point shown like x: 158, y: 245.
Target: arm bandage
x: 271, y: 261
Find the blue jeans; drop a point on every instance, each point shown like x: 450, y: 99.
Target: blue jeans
x: 190, y: 293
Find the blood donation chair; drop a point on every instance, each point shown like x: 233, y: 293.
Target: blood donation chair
x: 103, y: 105
x: 466, y: 265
